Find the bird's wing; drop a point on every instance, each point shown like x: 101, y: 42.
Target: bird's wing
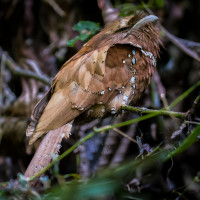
x: 90, y: 79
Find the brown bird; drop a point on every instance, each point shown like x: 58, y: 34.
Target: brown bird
x: 112, y: 69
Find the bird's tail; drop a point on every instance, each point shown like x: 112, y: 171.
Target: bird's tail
x: 51, y: 143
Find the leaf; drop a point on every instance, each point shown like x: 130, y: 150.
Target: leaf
x: 159, y: 3
x: 128, y: 9
x: 86, y: 30
x: 22, y: 180
x: 186, y: 143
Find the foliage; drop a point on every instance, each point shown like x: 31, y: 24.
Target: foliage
x: 130, y: 8
x: 86, y: 29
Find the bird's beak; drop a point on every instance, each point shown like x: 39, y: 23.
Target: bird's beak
x: 143, y: 21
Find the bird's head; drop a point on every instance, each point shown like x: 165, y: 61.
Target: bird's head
x: 139, y: 30
x: 131, y: 23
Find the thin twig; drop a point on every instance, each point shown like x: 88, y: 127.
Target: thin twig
x: 56, y: 7
x: 160, y: 88
x: 109, y: 145
x: 25, y: 73
x: 158, y: 112
x: 194, y: 105
x: 177, y: 42
x: 125, y: 135
x: 191, y: 122
x: 121, y: 151
x: 109, y: 13
x: 191, y: 44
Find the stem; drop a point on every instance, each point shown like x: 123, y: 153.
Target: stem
x: 106, y: 128
x: 157, y: 112
x: 125, y: 135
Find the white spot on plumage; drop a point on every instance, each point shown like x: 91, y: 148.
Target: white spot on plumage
x: 133, y: 61
x: 113, y: 111
x: 125, y: 99
x: 133, y: 52
x: 132, y: 79
x: 80, y: 108
x: 134, y: 87
x: 150, y: 55
x: 137, y: 45
x: 63, y: 135
x: 102, y: 92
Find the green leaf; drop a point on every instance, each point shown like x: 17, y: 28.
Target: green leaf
x: 86, y: 29
x: 128, y: 9
x: 86, y: 26
x: 71, y: 43
x: 186, y: 143
x: 22, y: 180
x: 159, y: 3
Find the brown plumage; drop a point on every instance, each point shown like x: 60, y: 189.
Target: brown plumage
x: 112, y: 69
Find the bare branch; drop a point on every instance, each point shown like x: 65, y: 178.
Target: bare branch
x: 178, y: 42
x: 56, y: 7
x: 183, y: 45
x: 109, y: 13
x: 15, y: 69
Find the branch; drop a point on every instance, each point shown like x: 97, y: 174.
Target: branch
x: 183, y: 45
x: 56, y: 7
x: 109, y: 13
x: 157, y: 112
x: 191, y: 44
x: 178, y: 42
x: 21, y: 72
x: 121, y: 151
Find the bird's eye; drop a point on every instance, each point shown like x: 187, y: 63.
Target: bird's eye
x: 121, y: 29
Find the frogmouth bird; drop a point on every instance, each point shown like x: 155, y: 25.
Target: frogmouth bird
x: 111, y: 70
